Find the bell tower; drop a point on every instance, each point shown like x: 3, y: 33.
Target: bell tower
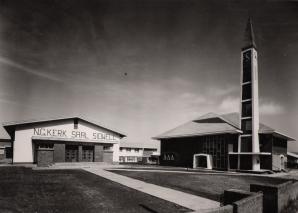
x: 249, y: 107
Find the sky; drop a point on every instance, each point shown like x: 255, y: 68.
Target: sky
x: 145, y: 66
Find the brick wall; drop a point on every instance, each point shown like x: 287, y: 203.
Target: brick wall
x: 277, y: 197
x: 238, y: 201
x: 108, y: 156
x: 98, y: 153
x: 222, y: 209
x: 243, y: 201
x: 45, y: 157
x: 59, y: 152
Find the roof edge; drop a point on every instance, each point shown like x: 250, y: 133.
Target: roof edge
x: 24, y: 122
x: 201, y: 134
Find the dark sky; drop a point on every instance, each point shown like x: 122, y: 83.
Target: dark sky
x: 144, y: 66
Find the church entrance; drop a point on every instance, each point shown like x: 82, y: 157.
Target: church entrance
x: 202, y: 161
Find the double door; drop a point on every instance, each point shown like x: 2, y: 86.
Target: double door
x: 88, y: 153
x: 71, y: 153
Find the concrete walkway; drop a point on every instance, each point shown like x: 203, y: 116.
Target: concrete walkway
x: 183, y: 199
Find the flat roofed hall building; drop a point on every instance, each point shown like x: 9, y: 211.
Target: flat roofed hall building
x: 71, y: 139
x: 230, y: 141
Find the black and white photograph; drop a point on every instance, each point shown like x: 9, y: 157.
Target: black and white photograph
x: 148, y: 106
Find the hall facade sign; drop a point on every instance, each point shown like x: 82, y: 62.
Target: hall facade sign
x: 74, y: 134
x: 63, y: 140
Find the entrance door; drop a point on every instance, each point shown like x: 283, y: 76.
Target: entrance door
x: 71, y: 153
x: 202, y: 161
x: 282, y: 162
x: 87, y: 153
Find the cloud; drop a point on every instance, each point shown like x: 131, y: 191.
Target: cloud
x: 193, y: 98
x: 229, y: 104
x: 222, y: 91
x: 29, y: 70
x: 271, y: 108
x: 16, y: 103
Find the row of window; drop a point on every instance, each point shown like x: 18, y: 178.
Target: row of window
x: 129, y: 149
x: 168, y: 157
x: 51, y: 146
x: 217, y: 147
x: 129, y: 159
x: 45, y: 146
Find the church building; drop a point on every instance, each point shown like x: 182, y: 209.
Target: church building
x: 235, y: 141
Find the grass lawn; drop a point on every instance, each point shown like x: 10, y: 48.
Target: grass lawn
x: 206, y: 185
x: 26, y: 190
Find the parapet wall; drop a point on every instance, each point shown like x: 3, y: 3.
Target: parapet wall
x: 222, y: 209
x: 276, y: 197
x: 261, y: 198
x: 238, y: 201
x: 243, y: 201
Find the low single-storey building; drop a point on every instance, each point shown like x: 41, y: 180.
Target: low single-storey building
x: 216, y: 137
x: 292, y: 160
x: 71, y: 139
x: 5, y: 150
x: 138, y: 153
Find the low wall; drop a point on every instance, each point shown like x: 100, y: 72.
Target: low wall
x: 222, y: 209
x: 276, y: 197
x: 243, y: 201
x: 238, y: 201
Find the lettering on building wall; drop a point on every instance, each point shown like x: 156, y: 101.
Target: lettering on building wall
x: 75, y: 134
x: 78, y: 134
x: 50, y: 132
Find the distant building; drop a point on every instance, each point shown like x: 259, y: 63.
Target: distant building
x: 292, y: 160
x: 138, y: 153
x: 70, y: 139
x: 5, y: 151
x: 235, y: 141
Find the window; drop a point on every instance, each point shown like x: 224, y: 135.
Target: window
x: 246, y: 126
x: 216, y: 146
x: 46, y: 146
x: 131, y: 159
x: 246, y: 109
x: 75, y: 123
x: 246, y: 91
x: 8, y: 152
x: 121, y: 159
x: 246, y: 144
x: 128, y: 149
x: 137, y: 150
x: 121, y: 149
x: 168, y: 157
x: 247, y: 66
x: 107, y: 148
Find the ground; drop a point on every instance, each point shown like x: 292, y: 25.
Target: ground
x: 26, y: 190
x: 203, y: 184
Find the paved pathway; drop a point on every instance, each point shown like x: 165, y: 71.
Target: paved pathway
x: 183, y: 199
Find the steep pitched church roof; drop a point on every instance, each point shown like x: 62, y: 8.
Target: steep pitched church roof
x: 212, y: 123
x: 249, y: 37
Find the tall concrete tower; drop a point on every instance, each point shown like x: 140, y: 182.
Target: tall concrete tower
x: 249, y: 107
